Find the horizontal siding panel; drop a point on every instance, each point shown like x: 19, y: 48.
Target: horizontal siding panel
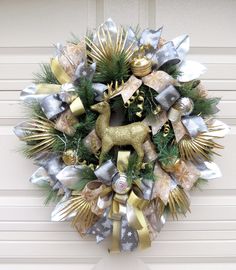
x: 76, y: 250
x: 199, y: 21
x: 74, y: 236
x: 64, y: 227
x: 42, y: 214
x: 30, y: 29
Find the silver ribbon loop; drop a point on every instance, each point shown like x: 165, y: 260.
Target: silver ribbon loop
x: 41, y: 177
x: 167, y: 54
x: 150, y: 37
x: 190, y: 70
x: 209, y: 170
x: 167, y: 97
x: 99, y: 89
x: 70, y: 175
x: 53, y: 105
x: 146, y: 187
x: 182, y: 45
x: 194, y: 125
x: 85, y: 71
x: 106, y: 172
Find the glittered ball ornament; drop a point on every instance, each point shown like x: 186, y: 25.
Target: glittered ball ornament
x: 184, y: 105
x: 141, y: 66
x: 69, y: 157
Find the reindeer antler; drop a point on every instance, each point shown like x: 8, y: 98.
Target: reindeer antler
x: 113, y: 92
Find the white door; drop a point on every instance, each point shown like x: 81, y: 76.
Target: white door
x: 28, y: 240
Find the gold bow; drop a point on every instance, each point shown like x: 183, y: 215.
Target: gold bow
x: 131, y: 205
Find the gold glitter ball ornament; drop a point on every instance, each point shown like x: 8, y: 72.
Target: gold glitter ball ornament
x: 69, y: 157
x: 141, y: 66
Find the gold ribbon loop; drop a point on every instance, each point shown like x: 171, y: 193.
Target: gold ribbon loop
x: 122, y: 160
x: 136, y: 219
x: 59, y: 72
x: 47, y: 88
x: 77, y: 107
x: 136, y: 201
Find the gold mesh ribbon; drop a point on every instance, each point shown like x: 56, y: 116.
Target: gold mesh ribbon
x: 47, y: 88
x: 59, y: 72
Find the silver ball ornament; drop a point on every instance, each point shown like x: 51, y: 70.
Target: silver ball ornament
x: 184, y: 105
x: 120, y: 184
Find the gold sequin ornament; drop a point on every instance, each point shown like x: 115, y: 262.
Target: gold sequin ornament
x: 69, y: 157
x: 141, y: 66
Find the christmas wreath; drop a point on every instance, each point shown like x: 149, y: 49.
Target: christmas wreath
x: 121, y: 129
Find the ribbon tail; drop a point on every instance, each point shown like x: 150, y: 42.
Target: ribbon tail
x: 115, y: 246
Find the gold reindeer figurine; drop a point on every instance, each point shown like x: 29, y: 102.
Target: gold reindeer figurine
x: 133, y: 134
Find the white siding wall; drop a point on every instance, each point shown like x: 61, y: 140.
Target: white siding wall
x: 28, y: 240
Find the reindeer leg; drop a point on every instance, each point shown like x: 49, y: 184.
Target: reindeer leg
x: 107, y: 144
x: 139, y: 149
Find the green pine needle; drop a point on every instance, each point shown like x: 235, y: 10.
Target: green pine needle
x: 45, y: 75
x: 171, y: 70
x: 202, y: 106
x: 86, y: 92
x: 112, y: 69
x: 132, y: 171
x: 168, y: 152
x: 33, y: 109
x: 148, y: 172
x: 50, y: 194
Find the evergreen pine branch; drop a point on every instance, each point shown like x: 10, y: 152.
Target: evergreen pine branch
x: 86, y: 92
x: 112, y: 69
x: 50, y: 194
x: 172, y: 70
x: 148, y: 172
x: 168, y: 152
x: 84, y: 154
x: 86, y: 124
x: 149, y: 103
x: 33, y: 109
x: 205, y: 106
x: 45, y: 75
x: 202, y: 105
